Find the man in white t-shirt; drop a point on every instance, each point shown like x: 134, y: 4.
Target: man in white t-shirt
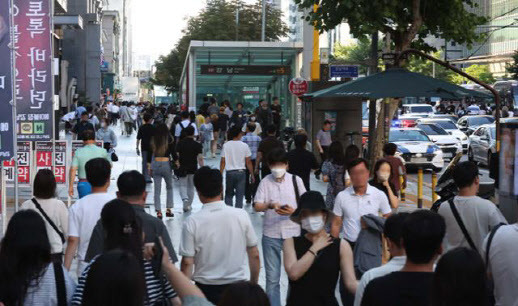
x: 501, y: 262
x: 85, y: 213
x: 356, y: 201
x: 235, y: 159
x: 218, y: 240
x: 392, y: 231
x: 183, y: 124
x: 478, y: 215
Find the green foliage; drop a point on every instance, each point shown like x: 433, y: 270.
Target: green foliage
x: 424, y: 66
x: 480, y: 72
x: 353, y: 54
x: 513, y: 68
x: 217, y: 21
x: 408, y: 22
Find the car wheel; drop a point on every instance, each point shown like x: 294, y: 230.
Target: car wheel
x: 470, y: 154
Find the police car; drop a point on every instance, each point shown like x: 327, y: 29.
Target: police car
x: 416, y: 148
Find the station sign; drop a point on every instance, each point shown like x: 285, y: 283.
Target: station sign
x: 245, y: 70
x: 343, y: 71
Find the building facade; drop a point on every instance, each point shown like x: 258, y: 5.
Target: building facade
x: 110, y: 66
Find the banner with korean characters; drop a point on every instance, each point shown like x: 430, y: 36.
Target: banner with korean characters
x: 44, y: 158
x: 24, y: 164
x: 6, y: 84
x: 34, y: 79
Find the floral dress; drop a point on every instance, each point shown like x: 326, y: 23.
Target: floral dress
x: 336, y: 175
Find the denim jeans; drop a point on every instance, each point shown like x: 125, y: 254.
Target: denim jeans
x: 206, y: 148
x: 162, y: 170
x: 235, y: 185
x: 187, y: 190
x: 272, y: 248
x: 83, y: 189
x: 145, y: 169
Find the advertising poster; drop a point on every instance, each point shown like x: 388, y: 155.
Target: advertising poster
x: 44, y: 158
x: 24, y: 165
x: 6, y: 85
x: 34, y: 90
x: 331, y: 116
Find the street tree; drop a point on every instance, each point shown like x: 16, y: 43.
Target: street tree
x: 408, y: 23
x: 480, y: 72
x: 513, y: 68
x: 426, y: 67
x: 217, y: 21
x: 357, y: 53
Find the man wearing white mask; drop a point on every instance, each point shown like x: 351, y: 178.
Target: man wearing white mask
x: 277, y: 195
x: 235, y: 159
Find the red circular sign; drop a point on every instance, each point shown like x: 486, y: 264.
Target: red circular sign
x: 298, y: 86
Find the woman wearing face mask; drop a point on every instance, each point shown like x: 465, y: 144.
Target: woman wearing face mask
x: 258, y: 130
x: 382, y: 181
x: 314, y: 261
x: 106, y: 135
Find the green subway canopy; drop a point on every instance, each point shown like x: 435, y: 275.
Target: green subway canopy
x: 397, y: 83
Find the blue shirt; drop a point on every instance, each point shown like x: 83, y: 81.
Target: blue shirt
x: 253, y: 142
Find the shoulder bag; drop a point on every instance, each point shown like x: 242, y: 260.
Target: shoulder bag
x: 296, y: 187
x: 46, y: 217
x: 61, y: 289
x: 461, y: 225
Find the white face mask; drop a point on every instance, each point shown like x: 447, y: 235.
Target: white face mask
x: 313, y: 224
x: 252, y: 118
x: 278, y: 172
x: 383, y: 176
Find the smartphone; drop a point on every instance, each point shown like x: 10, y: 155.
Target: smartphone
x: 284, y: 206
x: 156, y: 261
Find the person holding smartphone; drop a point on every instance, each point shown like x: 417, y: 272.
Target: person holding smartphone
x: 277, y: 196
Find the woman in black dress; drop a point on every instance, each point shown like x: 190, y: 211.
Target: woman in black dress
x: 314, y: 261
x: 382, y: 179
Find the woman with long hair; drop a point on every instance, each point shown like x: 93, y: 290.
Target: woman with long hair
x: 159, y: 163
x: 27, y: 274
x: 381, y: 179
x: 123, y: 231
x: 333, y: 171
x: 45, y: 203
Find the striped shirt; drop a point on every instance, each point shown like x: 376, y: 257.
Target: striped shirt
x: 253, y: 142
x: 154, y: 288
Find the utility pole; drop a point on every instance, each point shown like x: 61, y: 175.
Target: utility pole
x: 237, y: 24
x: 263, y: 22
x: 372, y: 102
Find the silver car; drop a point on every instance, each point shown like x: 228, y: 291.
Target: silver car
x: 482, y: 143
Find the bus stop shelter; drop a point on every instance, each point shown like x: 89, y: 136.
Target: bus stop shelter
x: 241, y: 71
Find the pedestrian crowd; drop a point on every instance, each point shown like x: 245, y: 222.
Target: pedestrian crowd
x: 461, y: 254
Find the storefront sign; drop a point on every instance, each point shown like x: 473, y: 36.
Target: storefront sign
x: 34, y: 86
x: 343, y: 71
x: 298, y: 86
x: 6, y: 85
x: 245, y: 70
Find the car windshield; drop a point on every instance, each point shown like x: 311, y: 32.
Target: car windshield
x: 447, y: 125
x: 421, y: 109
x: 407, y: 135
x: 477, y: 121
x: 432, y: 129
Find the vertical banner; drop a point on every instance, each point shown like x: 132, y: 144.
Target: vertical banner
x: 44, y: 158
x: 24, y: 164
x: 6, y: 84
x: 34, y: 89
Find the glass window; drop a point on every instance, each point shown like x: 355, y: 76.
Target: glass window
x: 493, y: 133
x: 422, y: 109
x: 407, y: 135
x: 447, y: 125
x: 476, y: 121
x: 432, y: 129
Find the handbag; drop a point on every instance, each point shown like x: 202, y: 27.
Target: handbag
x: 113, y: 155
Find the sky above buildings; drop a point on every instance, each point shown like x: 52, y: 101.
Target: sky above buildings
x: 158, y: 24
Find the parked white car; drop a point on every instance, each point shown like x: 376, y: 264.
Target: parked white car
x: 449, y: 127
x: 449, y: 144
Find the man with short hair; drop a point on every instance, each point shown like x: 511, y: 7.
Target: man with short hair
x: 144, y: 135
x: 82, y: 126
x: 190, y: 154
x: 235, y: 159
x: 277, y: 197
x: 264, y: 114
x: 396, y: 165
x: 422, y: 235
x: 89, y: 151
x: 85, y: 213
x: 477, y: 215
x: 322, y: 142
x: 356, y: 201
x: 183, y: 124
x: 213, y: 109
x: 269, y: 143
x: 392, y: 231
x: 217, y: 239
x: 132, y: 189
x: 253, y: 143
x: 301, y: 161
